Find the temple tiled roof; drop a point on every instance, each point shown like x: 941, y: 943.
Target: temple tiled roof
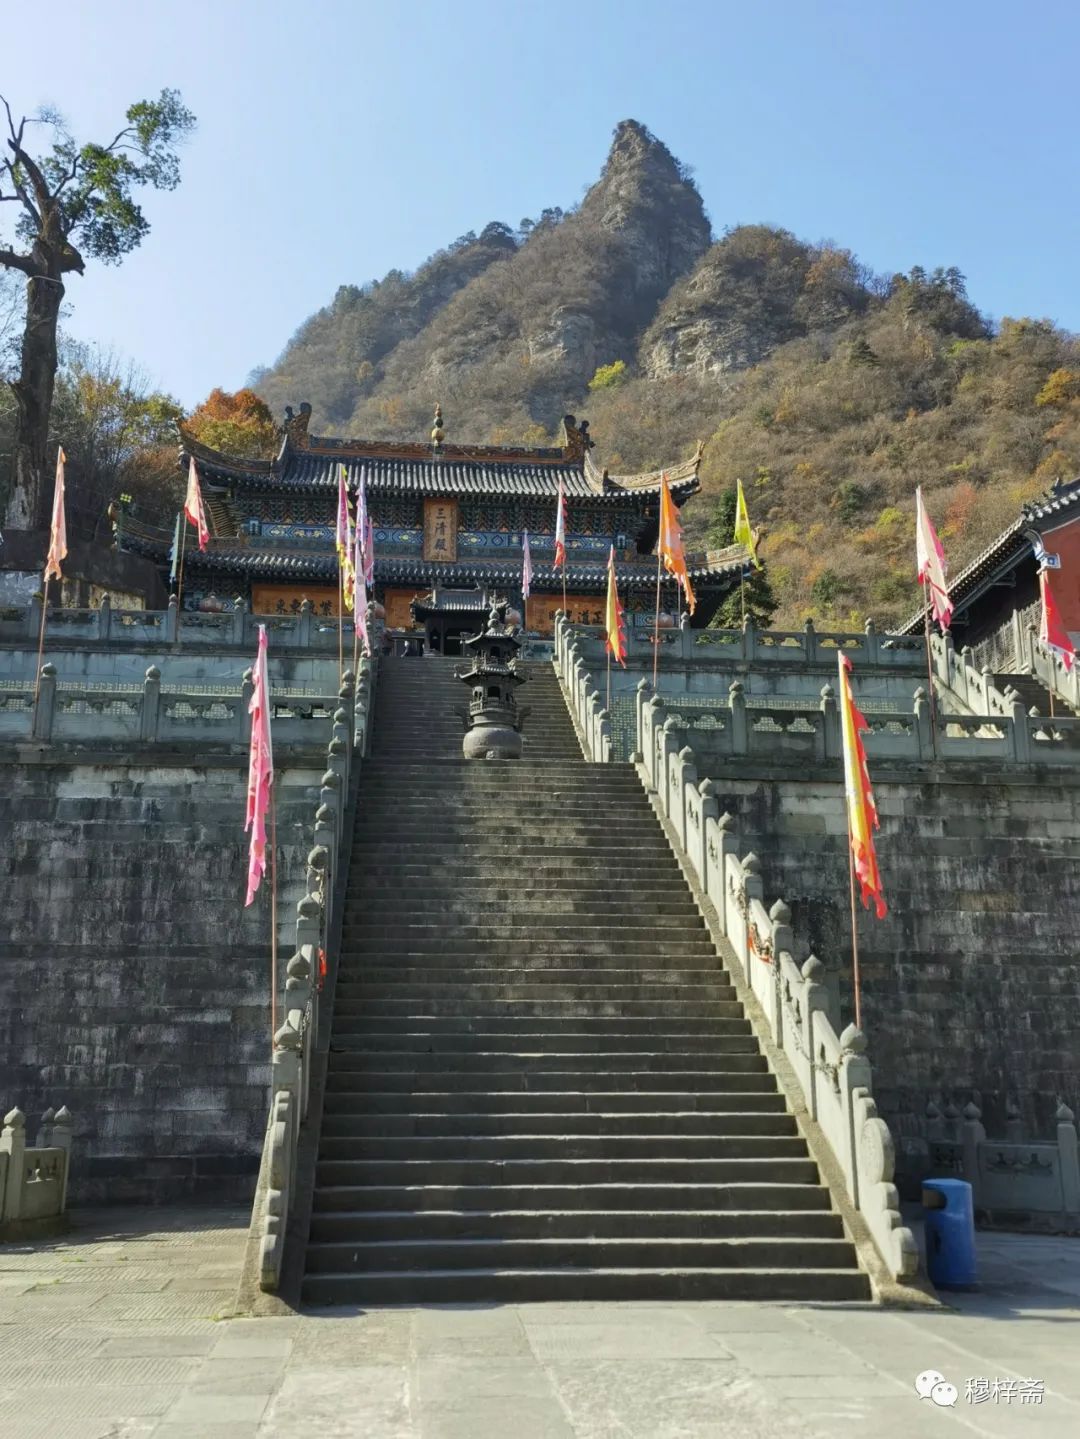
x: 1060, y: 504
x: 312, y: 463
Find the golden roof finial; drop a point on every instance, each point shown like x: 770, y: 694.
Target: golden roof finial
x: 437, y: 432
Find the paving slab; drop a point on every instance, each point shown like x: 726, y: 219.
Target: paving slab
x: 131, y: 1343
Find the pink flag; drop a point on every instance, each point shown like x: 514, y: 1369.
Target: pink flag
x: 369, y: 552
x: 1052, y: 632
x: 360, y: 615
x: 193, y: 505
x: 58, y: 527
x: 930, y: 559
x: 526, y: 566
x: 260, y: 770
x: 560, y: 529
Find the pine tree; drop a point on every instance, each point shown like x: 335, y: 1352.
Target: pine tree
x: 757, y: 593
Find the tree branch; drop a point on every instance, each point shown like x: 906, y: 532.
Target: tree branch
x: 13, y: 261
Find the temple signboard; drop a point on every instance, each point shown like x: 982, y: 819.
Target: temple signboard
x: 440, y: 530
x: 540, y: 611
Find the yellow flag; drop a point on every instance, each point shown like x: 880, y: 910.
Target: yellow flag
x: 744, y: 535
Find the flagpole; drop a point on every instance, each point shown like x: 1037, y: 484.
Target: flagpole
x: 656, y: 623
x: 273, y: 919
x: 340, y: 622
x: 180, y: 575
x: 41, y: 641
x: 609, y: 681
x: 930, y: 673
x: 855, y: 978
x: 742, y: 595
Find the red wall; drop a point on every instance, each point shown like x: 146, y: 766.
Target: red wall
x: 1065, y: 583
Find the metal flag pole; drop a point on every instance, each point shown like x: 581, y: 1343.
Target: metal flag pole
x: 609, y: 680
x: 656, y: 622
x: 856, y: 981
x: 742, y: 595
x: 340, y: 622
x: 180, y: 575
x: 41, y: 642
x: 930, y: 673
x: 273, y: 919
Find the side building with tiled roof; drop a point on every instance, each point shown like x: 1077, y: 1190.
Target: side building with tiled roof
x: 999, y: 590
x: 448, y: 524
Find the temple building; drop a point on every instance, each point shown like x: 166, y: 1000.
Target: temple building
x: 448, y: 524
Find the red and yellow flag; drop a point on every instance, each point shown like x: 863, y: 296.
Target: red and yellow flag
x: 58, y: 526
x: 670, y: 544
x: 194, y: 511
x: 615, y: 617
x: 862, y: 815
x: 343, y: 541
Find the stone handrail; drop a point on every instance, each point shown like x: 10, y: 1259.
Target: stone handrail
x: 756, y: 647
x: 84, y: 714
x: 1049, y: 669
x: 305, y: 974
x: 34, y: 1181
x: 591, y: 719
x: 802, y: 734
x: 234, y: 628
x: 831, y: 1070
x: 1009, y: 1176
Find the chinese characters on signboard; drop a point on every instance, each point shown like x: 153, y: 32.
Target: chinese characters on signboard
x: 440, y: 530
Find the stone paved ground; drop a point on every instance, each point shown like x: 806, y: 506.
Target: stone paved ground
x: 115, y: 1333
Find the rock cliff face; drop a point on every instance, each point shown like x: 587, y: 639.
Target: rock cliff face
x: 505, y: 344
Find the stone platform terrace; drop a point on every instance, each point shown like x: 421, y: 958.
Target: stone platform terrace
x: 119, y: 1331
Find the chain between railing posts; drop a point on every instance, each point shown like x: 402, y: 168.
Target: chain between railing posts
x: 46, y: 703
x: 151, y: 704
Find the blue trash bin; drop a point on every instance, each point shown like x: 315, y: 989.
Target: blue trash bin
x: 950, y: 1233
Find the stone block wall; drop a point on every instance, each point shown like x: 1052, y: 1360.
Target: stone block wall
x: 134, y: 986
x: 971, y: 985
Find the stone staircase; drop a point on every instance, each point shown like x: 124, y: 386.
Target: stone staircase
x: 1033, y: 693
x: 541, y: 1085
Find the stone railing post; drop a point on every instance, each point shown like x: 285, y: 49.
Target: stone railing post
x: 972, y: 1134
x: 641, y: 698
x: 33, y: 617
x: 607, y: 739
x: 1021, y: 734
x: 817, y: 1002
x: 303, y: 625
x: 63, y: 1128
x: 686, y: 770
x: 924, y: 735
x: 239, y: 616
x: 686, y: 636
x: 810, y: 643
x: 873, y: 642
x: 710, y: 810
x: 44, y: 1134
x: 1068, y: 1158
x: 669, y: 749
x: 104, y: 618
x: 243, y: 718
x: 299, y: 996
x: 151, y: 704
x: 172, y: 621
x: 330, y: 797
x: 740, y: 739
x: 13, y: 1144
x: 46, y: 703
x: 725, y: 843
x: 309, y: 916
x: 855, y: 1074
x: 750, y: 640
x: 831, y: 740
x: 782, y: 943
x: 965, y: 670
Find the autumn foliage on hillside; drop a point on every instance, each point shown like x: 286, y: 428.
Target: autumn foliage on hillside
x: 236, y: 424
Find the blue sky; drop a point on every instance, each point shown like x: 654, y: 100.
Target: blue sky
x: 338, y: 140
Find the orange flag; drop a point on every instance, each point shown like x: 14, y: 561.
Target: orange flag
x: 615, y: 640
x: 670, y: 543
x: 862, y: 815
x: 58, y: 527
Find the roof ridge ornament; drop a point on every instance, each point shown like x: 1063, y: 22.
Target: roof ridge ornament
x: 438, y: 434
x: 295, y: 427
x: 575, y: 440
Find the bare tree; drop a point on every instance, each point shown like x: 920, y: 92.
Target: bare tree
x: 72, y: 200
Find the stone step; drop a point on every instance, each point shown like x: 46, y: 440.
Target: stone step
x: 620, y: 1196
x: 501, y: 1286
x: 340, y: 1124
x: 561, y: 1252
x: 546, y: 970
x: 472, y: 1026
x: 635, y: 1170
x: 349, y: 1073
x: 549, y: 1103
x: 527, y: 906
x: 696, y: 944
x: 361, y: 1033
x: 736, y: 1051
x: 560, y: 1148
x: 346, y: 1227
x: 519, y: 929
x: 496, y: 1003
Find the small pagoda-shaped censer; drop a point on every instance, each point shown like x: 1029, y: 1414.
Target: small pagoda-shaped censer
x: 493, y: 721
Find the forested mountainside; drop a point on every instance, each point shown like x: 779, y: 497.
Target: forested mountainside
x: 831, y: 391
